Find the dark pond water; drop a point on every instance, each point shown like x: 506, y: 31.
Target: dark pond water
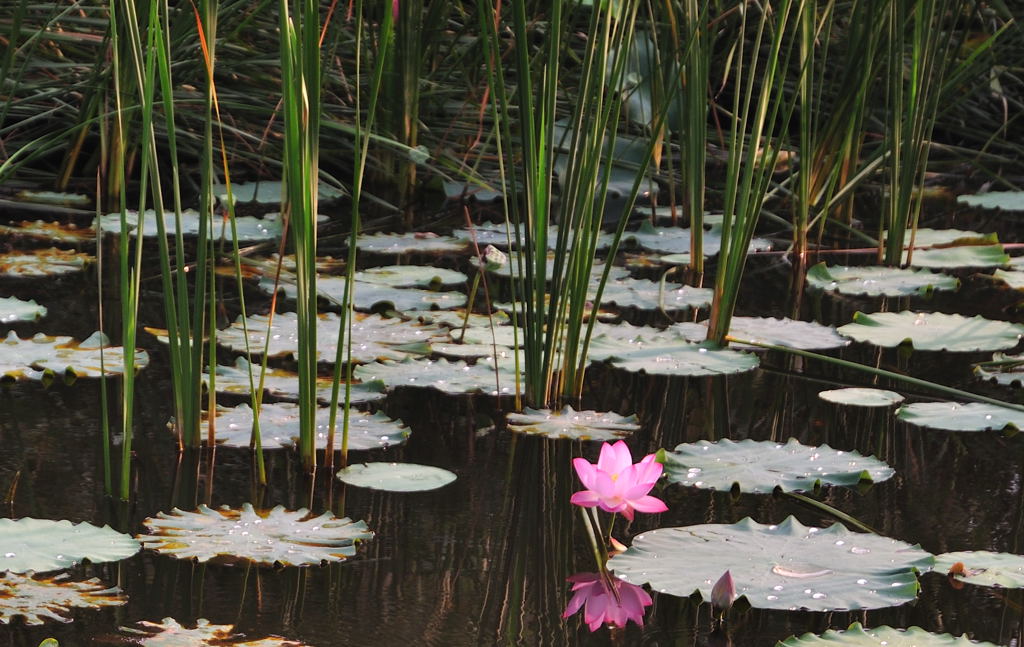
x: 483, y: 561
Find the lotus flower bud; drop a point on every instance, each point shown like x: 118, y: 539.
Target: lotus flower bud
x: 723, y: 593
x: 494, y: 258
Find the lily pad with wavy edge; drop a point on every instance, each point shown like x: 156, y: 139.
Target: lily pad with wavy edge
x: 43, y: 262
x: 396, y: 477
x: 1007, y: 370
x: 878, y: 281
x: 670, y: 356
x: 803, y: 335
x: 59, y: 198
x: 267, y: 192
x: 958, y: 416
x: 367, y: 296
x: 1012, y: 278
x: 674, y: 240
x: 33, y: 358
x: 643, y: 294
x: 858, y: 636
x: 449, y: 377
x: 284, y: 385
x: 933, y: 331
x: 418, y: 242
x: 573, y: 425
x: 469, y: 351
x: 785, y: 566
x: 984, y: 568
x: 278, y: 536
x: 1004, y: 200
x: 41, y: 599
x: 57, y: 232
x: 454, y: 319
x: 758, y: 467
x: 959, y: 256
x: 44, y: 545
x: 373, y: 336
x: 169, y: 633
x: 14, y: 309
x: 499, y: 234
x: 861, y: 397
x: 250, y: 229
x: 279, y: 427
x: 406, y: 276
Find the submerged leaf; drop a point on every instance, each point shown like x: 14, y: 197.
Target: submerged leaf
x: 858, y: 636
x: 957, y: 416
x: 761, y: 466
x: 933, y: 331
x: 41, y: 599
x: 45, y: 545
x: 571, y: 424
x: 396, y: 477
x: 785, y: 566
x: 278, y: 536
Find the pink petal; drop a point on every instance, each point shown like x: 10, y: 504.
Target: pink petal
x: 585, y: 498
x: 614, y: 457
x: 605, y: 487
x: 636, y: 491
x: 648, y: 470
x: 648, y: 504
x: 585, y: 470
x: 575, y: 604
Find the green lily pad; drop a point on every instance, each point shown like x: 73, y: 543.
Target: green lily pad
x: 284, y: 385
x: 1007, y: 370
x: 1012, y: 278
x: 169, y: 633
x: 785, y: 566
x: 1003, y: 200
x: 499, y: 234
x: 926, y: 237
x: 454, y: 319
x: 573, y: 425
x: 450, y: 377
x: 933, y: 331
x: 46, y: 545
x: 249, y: 228
x: 14, y: 309
x: 279, y: 536
x: 40, y: 599
x: 417, y: 242
x: 960, y: 256
x: 670, y: 356
x: 58, y: 198
x: 878, y: 281
x: 367, y: 296
x: 405, y: 276
x: 984, y: 568
x: 396, y: 477
x: 643, y: 294
x: 471, y: 351
x: 41, y: 355
x: 673, y: 240
x: 267, y: 192
x: 38, y: 263
x: 758, y: 467
x: 958, y: 416
x: 858, y: 636
x: 279, y: 427
x: 803, y: 335
x: 861, y: 397
x: 48, y: 230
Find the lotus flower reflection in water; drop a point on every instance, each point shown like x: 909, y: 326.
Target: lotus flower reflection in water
x: 601, y: 606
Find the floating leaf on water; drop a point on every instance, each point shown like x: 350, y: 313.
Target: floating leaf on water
x: 1004, y: 200
x: 454, y: 319
x: 249, y: 228
x: 670, y: 356
x: 57, y: 232
x: 55, y: 197
x: 368, y: 296
x: 284, y: 385
x: 643, y: 294
x: 466, y: 190
x: 45, y: 545
x: 960, y: 256
x: 674, y: 240
x: 499, y: 234
x: 43, y: 262
x: 396, y: 477
x: 278, y: 536
x: 40, y: 599
x: 1007, y: 370
x: 861, y: 397
x: 785, y: 566
x: 858, y: 636
x: 984, y: 568
x: 417, y: 242
x: 571, y: 424
x: 1012, y: 278
x: 758, y: 467
x: 933, y: 331
x: 169, y: 633
x: 449, y: 377
x: 279, y: 427
x: 14, y: 309
x: 31, y: 358
x: 267, y: 192
x: 803, y: 335
x: 878, y: 281
x: 959, y: 416
x: 373, y: 336
x: 464, y: 351
x: 405, y: 276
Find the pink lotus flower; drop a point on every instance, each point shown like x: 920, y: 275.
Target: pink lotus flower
x: 615, y: 484
x: 602, y: 606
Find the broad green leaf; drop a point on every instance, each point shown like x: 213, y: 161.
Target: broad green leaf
x: 418, y: 242
x: 368, y: 296
x: 250, y: 229
x: 449, y: 377
x: 267, y: 192
x: 926, y: 237
x: 278, y: 536
x: 958, y: 416
x: 571, y: 424
x: 169, y: 633
x: 1007, y: 370
x: 804, y: 335
x: 878, y: 281
x: 1004, y: 200
x: 54, y: 197
x: 1012, y: 278
x: 48, y: 230
x: 284, y: 385
x: 43, y: 545
x: 405, y: 276
x: 40, y: 599
x: 673, y: 240
x: 858, y: 636
x: 396, y: 477
x: 983, y: 568
x: 38, y: 263
x: 761, y: 466
x: 785, y: 566
x: 933, y: 331
x: 960, y: 256
x: 36, y: 357
x: 861, y: 397
x: 670, y: 356
x: 14, y: 309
